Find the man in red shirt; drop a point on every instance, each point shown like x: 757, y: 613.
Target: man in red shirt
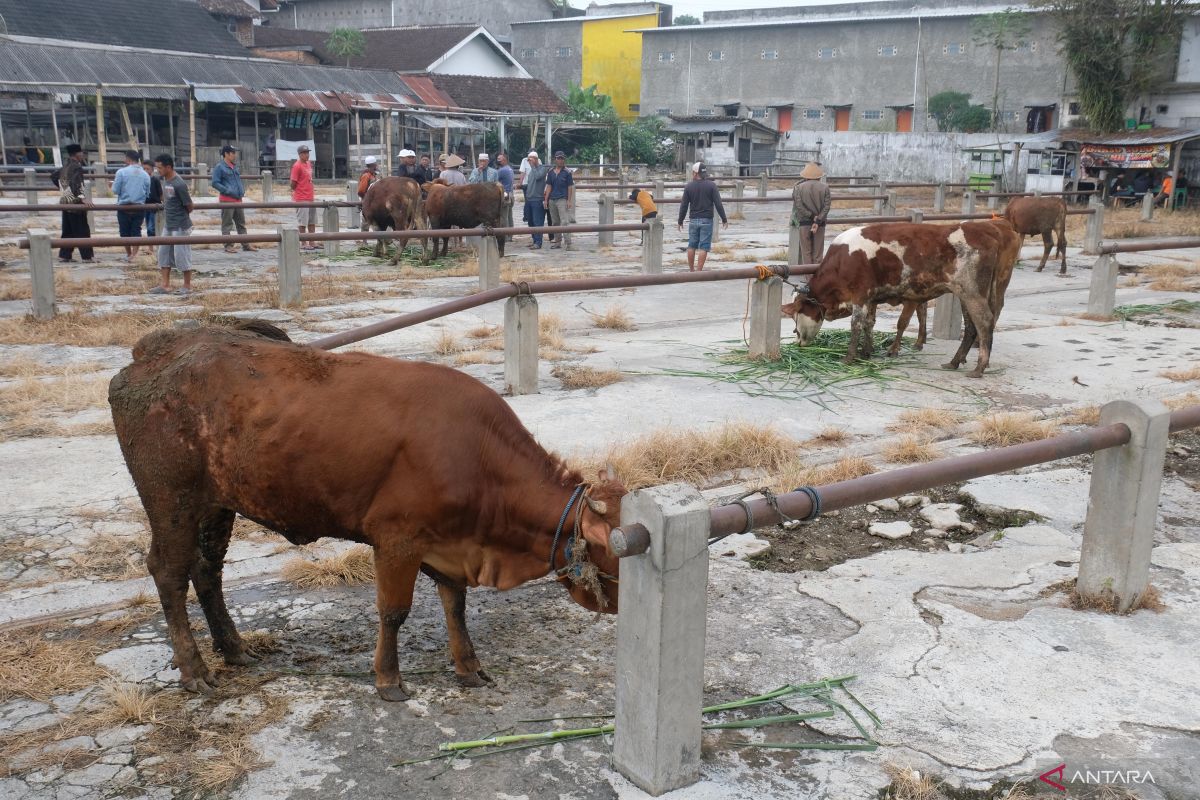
x: 302, y: 192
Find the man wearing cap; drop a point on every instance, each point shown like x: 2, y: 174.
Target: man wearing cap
x: 559, y: 196
x: 409, y: 168
x: 228, y: 182
x: 811, y: 201
x: 369, y: 176
x: 302, y: 192
x: 74, y: 223
x: 451, y: 173
x: 535, y: 203
x: 700, y: 198
x: 482, y: 172
x: 132, y: 187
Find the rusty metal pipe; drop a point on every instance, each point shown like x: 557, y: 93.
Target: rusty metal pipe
x: 1139, y: 245
x: 777, y: 199
x: 80, y: 207
x: 1184, y: 419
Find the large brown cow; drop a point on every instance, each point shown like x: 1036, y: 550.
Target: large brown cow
x: 467, y: 206
x: 426, y: 465
x: 393, y: 203
x: 1044, y: 215
x: 904, y: 262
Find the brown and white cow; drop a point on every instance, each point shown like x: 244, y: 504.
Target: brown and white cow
x: 1045, y: 216
x: 393, y: 203
x: 465, y: 206
x: 425, y: 464
x: 904, y: 262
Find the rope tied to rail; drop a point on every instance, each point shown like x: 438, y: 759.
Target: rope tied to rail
x: 787, y: 522
x: 521, y: 287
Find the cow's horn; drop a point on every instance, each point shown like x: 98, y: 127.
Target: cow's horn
x: 598, y: 506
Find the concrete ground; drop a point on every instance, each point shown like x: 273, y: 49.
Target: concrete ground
x: 965, y: 646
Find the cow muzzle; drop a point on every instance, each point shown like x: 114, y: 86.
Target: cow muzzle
x: 807, y: 328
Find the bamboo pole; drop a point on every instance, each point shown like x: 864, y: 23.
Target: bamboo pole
x: 192, y: 130
x: 101, y: 136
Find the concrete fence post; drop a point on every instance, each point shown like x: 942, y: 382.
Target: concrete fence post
x: 947, y: 317
x: 1095, y: 227
x: 939, y: 199
x: 31, y: 195
x: 489, y: 263
x: 660, y: 189
x: 660, y: 640
x: 353, y: 213
x: 889, y: 204
x: 521, y: 345
x: 289, y: 267
x: 101, y: 179
x: 652, y: 247
x: 793, y: 251
x: 202, y: 180
x: 1102, y: 293
x: 1118, y: 534
x: 87, y: 198
x: 716, y: 227
x: 268, y: 185
x: 607, y: 215
x: 1037, y: 192
x: 739, y: 191
x: 878, y: 208
x: 763, y: 184
x: 41, y: 269
x: 330, y: 224
x: 1147, y: 206
x: 916, y: 215
x: 993, y: 201
x: 968, y: 202
x: 765, y: 299
x: 622, y: 183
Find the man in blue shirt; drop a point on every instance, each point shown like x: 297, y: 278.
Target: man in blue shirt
x: 132, y: 187
x: 559, y: 198
x: 228, y: 182
x: 482, y: 172
x: 505, y: 177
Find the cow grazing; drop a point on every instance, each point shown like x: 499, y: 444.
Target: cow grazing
x: 467, y: 206
x: 1044, y: 215
x: 911, y: 263
x: 393, y: 203
x: 426, y: 465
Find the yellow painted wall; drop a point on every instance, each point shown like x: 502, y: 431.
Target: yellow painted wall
x: 612, y: 59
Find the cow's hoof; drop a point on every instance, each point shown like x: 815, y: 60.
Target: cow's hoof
x: 392, y: 694
x: 474, y: 680
x: 918, y: 347
x: 200, y: 685
x: 975, y: 373
x: 1039, y: 269
x: 1062, y: 274
x: 949, y: 365
x: 242, y: 658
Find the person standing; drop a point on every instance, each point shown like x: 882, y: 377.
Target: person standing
x: 535, y: 203
x: 451, y: 173
x: 369, y: 177
x: 302, y: 192
x: 560, y: 198
x: 131, y: 186
x: 409, y: 168
x: 74, y: 223
x: 700, y: 198
x: 505, y: 177
x: 811, y: 201
x: 227, y: 180
x: 177, y: 208
x: 153, y: 198
x: 482, y: 172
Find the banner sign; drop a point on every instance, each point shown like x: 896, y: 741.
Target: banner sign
x: 286, y: 151
x: 1148, y: 156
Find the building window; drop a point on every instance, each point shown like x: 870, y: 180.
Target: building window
x: 1026, y: 47
x: 769, y: 55
x: 1008, y: 116
x: 564, y: 52
x: 873, y: 114
x: 758, y: 113
x: 663, y: 112
x: 888, y: 50
x: 814, y: 113
x: 705, y: 112
x: 954, y: 49
x: 1073, y: 109
x: 716, y: 55
x: 635, y: 106
x: 827, y: 52
x: 666, y: 55
x: 529, y: 52
x: 1161, y: 109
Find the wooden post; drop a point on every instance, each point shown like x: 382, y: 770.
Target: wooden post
x: 763, y: 184
x: 268, y: 184
x: 739, y: 191
x: 101, y: 135
x: 192, y: 129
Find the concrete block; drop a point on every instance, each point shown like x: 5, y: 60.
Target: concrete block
x: 289, y: 267
x: 1102, y: 294
x: 763, y: 184
x: 947, y: 317
x: 87, y: 198
x: 353, y: 213
x: 660, y: 640
x: 916, y: 215
x: 1118, y: 535
x: 329, y: 224
x: 939, y: 199
x: 652, y: 248
x: 765, y: 299
x: 968, y: 202
x: 489, y: 262
x: 1095, y: 227
x: 660, y: 189
x: 607, y: 215
x: 716, y: 237
x: 993, y: 201
x: 41, y: 268
x: 101, y: 179
x: 521, y: 345
x: 793, y: 243
x: 739, y: 191
x: 268, y: 185
x: 1147, y: 206
x: 31, y: 195
x: 889, y: 204
x: 202, y: 185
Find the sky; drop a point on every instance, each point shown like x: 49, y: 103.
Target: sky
x: 697, y: 7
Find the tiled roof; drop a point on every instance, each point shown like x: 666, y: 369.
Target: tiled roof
x: 397, y: 49
x: 231, y: 8
x: 177, y: 25
x: 500, y: 94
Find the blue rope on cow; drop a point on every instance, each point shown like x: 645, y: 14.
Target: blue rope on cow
x: 563, y: 521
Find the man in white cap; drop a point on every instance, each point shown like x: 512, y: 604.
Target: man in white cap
x: 369, y: 176
x: 482, y: 172
x: 409, y: 168
x: 451, y: 173
x: 811, y: 201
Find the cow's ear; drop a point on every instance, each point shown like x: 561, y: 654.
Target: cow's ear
x: 790, y: 309
x: 595, y: 531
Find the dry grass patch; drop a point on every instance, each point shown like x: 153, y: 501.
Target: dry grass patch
x: 550, y: 331
x: 1002, y: 430
x: 110, y: 557
x: 27, y: 407
x: 1088, y: 415
x: 1150, y: 600
x: 843, y: 469
x: 484, y: 331
x: 669, y: 455
x: 261, y: 641
x: 1096, y: 317
x: 1191, y: 373
x: 909, y: 784
x: 517, y: 272
x: 586, y: 377
x: 128, y: 704
x: 1174, y: 284
x: 476, y: 357
x: 25, y: 367
x: 1182, y: 401
x: 909, y: 450
x: 924, y: 420
x: 350, y: 567
x: 614, y: 318
x: 830, y: 435
x: 447, y: 344
x: 37, y: 668
x: 83, y: 330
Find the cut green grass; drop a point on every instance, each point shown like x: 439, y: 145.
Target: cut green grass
x: 1128, y: 312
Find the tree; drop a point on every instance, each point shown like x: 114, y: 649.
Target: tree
x: 1001, y: 31
x: 952, y: 111
x: 346, y: 43
x: 686, y: 19
x: 1118, y: 50
x: 588, y: 105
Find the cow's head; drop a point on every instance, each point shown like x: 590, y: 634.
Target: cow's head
x: 600, y: 513
x: 808, y: 315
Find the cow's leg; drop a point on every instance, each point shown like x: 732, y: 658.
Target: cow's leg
x: 1047, y: 246
x: 906, y: 313
x: 215, y: 530
x: 986, y: 326
x: 979, y: 323
x: 866, y: 330
x: 395, y: 576
x: 855, y: 330
x: 380, y: 244
x: 922, y: 309
x: 1062, y: 247
x: 174, y: 549
x: 466, y: 665
x: 500, y: 245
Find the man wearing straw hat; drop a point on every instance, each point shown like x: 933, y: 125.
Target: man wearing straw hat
x: 810, y: 209
x: 451, y: 173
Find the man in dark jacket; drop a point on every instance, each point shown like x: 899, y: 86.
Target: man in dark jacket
x: 700, y: 197
x: 74, y: 223
x: 409, y: 168
x: 811, y: 201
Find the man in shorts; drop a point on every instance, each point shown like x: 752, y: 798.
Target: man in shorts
x: 701, y: 199
x: 302, y: 192
x: 177, y: 209
x: 132, y: 187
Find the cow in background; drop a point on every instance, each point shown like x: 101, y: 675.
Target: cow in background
x: 906, y: 262
x: 467, y: 206
x: 394, y: 203
x: 1044, y: 215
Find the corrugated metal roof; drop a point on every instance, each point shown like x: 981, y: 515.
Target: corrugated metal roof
x: 439, y: 122
x: 1056, y: 138
x: 427, y: 93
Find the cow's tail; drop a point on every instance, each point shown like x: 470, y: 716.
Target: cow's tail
x: 1062, y: 234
